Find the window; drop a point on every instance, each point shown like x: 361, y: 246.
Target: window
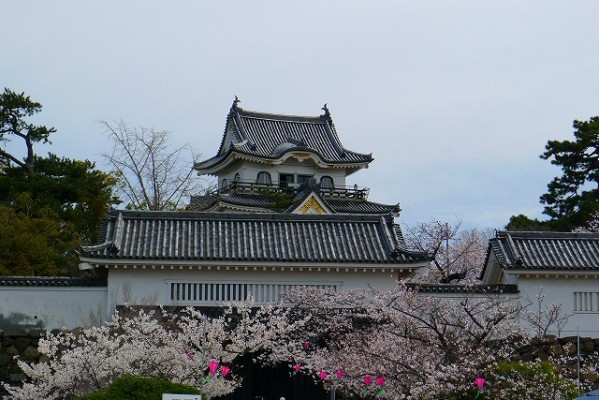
x: 303, y: 179
x: 326, y: 182
x: 209, y: 293
x: 286, y: 180
x: 263, y: 178
x: 293, y: 180
x: 586, y: 302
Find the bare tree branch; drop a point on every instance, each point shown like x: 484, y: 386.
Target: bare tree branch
x: 152, y: 175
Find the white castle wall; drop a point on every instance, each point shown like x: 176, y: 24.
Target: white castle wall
x: 52, y: 307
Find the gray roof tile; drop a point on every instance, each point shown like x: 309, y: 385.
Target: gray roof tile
x: 277, y: 237
x: 269, y: 136
x: 51, y: 281
x: 339, y: 206
x: 566, y: 251
x: 472, y: 289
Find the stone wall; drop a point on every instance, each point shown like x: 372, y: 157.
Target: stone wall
x: 17, y: 343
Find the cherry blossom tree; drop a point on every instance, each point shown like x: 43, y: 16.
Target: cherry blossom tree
x: 189, y: 348
x: 457, y: 253
x: 403, y: 345
x: 545, y: 317
x: 591, y: 226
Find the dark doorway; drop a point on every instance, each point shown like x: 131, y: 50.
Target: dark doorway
x: 275, y: 382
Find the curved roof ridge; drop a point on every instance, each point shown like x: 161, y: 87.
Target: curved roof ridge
x: 277, y: 116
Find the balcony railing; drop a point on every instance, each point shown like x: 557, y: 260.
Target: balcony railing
x: 341, y: 192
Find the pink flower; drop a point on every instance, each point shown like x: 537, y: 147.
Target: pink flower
x: 225, y: 371
x: 380, y: 380
x: 322, y: 374
x: 367, y: 380
x: 339, y: 374
x: 480, y: 382
x: 212, y: 367
x: 297, y: 367
x: 306, y: 345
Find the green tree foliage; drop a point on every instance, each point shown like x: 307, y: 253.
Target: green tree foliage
x: 72, y: 191
x: 33, y: 245
x: 50, y: 214
x: 15, y: 108
x: 130, y: 387
x: 48, y: 205
x: 572, y: 198
x: 521, y: 222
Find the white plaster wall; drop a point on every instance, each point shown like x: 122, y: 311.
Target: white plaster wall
x: 152, y: 286
x: 248, y: 171
x: 561, y: 291
x: 56, y: 307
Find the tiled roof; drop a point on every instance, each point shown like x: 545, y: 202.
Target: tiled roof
x: 361, y: 207
x: 565, y: 251
x: 208, y: 202
x: 473, y: 289
x: 339, y: 206
x: 50, y: 281
x: 240, y: 237
x: 269, y: 136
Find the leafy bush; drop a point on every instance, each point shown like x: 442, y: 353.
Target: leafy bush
x: 542, y: 380
x: 129, y: 387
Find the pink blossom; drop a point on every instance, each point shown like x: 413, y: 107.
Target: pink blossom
x: 367, y: 380
x: 306, y: 345
x: 339, y: 374
x: 380, y: 380
x: 322, y: 374
x: 297, y: 367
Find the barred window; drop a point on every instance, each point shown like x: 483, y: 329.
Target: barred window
x: 211, y: 293
x: 586, y: 302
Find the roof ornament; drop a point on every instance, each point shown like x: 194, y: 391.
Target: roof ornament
x: 235, y: 102
x: 113, y: 250
x: 325, y: 108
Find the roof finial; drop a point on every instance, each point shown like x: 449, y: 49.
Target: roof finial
x: 235, y: 102
x: 326, y: 110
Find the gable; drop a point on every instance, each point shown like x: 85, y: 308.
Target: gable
x: 313, y: 205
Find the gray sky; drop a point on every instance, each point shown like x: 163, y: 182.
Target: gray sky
x: 455, y: 99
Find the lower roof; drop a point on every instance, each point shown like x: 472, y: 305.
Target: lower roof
x: 50, y: 281
x: 264, y: 203
x: 190, y: 236
x: 556, y: 251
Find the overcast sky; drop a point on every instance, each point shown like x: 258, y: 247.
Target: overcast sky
x: 454, y: 99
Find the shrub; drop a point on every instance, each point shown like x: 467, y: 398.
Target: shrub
x: 129, y: 387
x: 541, y: 380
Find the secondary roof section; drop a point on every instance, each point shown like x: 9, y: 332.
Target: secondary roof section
x: 524, y: 252
x: 237, y: 238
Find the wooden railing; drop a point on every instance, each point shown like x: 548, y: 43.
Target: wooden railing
x: 342, y: 192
